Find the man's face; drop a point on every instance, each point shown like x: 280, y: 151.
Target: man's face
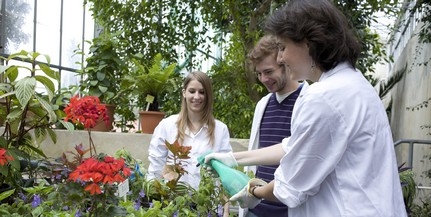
x: 271, y: 74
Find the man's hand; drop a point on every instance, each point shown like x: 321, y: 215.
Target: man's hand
x: 226, y: 158
x: 245, y: 198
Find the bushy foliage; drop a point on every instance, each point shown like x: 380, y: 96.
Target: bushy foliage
x: 421, y: 210
x: 424, y: 6
x: 90, y: 189
x: 151, y: 27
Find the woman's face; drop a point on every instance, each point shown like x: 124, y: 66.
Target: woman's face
x: 194, y: 95
x: 296, y: 58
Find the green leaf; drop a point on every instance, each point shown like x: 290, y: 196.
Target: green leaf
x: 14, y: 115
x: 3, y: 142
x: 49, y: 71
x: 69, y: 126
x: 37, y: 211
x: 47, y: 82
x: 6, y: 194
x: 15, y: 153
x: 47, y: 106
x: 94, y: 82
x: 102, y: 88
x: 12, y: 73
x: 35, y: 149
x: 4, y: 171
x: 5, y: 88
x: 100, y: 76
x: 52, y: 135
x: 7, y: 94
x: 40, y: 134
x: 22, y: 54
x: 48, y: 58
x: 34, y: 55
x: 25, y: 89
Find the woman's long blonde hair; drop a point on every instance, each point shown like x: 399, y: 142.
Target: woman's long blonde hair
x: 207, y: 117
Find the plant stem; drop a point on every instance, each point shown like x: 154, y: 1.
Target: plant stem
x: 92, y: 146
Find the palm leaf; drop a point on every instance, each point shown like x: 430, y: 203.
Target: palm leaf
x: 387, y: 85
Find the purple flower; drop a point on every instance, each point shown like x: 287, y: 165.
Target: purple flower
x: 79, y: 147
x: 151, y: 205
x: 57, y: 177
x: 137, y: 204
x: 220, y: 210
x: 82, y: 183
x: 141, y: 193
x: 36, y: 201
x: 78, y: 213
x: 22, y: 196
x: 65, y: 172
x: 175, y: 214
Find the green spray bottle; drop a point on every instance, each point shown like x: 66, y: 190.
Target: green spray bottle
x: 233, y: 180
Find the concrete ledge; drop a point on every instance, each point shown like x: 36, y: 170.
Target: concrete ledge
x: 109, y: 142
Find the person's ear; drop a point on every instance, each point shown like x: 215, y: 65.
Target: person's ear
x: 280, y: 59
x: 184, y: 93
x: 307, y: 44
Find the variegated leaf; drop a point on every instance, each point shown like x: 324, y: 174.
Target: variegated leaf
x: 25, y: 89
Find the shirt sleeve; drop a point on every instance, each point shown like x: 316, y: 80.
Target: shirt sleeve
x: 157, y: 151
x: 225, y: 145
x: 317, y: 144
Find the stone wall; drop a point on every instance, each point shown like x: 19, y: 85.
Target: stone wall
x: 109, y: 143
x: 410, y: 107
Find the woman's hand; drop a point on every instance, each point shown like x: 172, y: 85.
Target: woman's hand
x: 226, y: 158
x: 245, y: 197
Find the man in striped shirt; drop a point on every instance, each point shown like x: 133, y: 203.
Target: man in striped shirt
x: 272, y: 116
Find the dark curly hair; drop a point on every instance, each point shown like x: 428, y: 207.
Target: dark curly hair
x: 322, y: 26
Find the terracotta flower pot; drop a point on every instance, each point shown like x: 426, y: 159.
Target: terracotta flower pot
x: 149, y: 120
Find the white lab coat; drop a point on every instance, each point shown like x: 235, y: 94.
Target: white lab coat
x: 167, y: 130
x: 340, y: 159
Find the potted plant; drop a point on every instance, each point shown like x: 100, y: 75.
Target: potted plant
x: 28, y: 114
x: 146, y: 85
x: 101, y: 73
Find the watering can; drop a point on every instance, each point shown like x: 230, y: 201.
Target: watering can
x: 232, y: 180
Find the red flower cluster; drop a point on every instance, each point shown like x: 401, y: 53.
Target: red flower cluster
x: 96, y: 173
x: 86, y: 111
x: 4, y: 159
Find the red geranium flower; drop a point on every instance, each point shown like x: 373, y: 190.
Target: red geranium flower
x: 4, y: 159
x: 86, y: 111
x: 96, y: 173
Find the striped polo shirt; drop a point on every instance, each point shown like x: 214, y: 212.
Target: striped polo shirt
x: 275, y: 126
